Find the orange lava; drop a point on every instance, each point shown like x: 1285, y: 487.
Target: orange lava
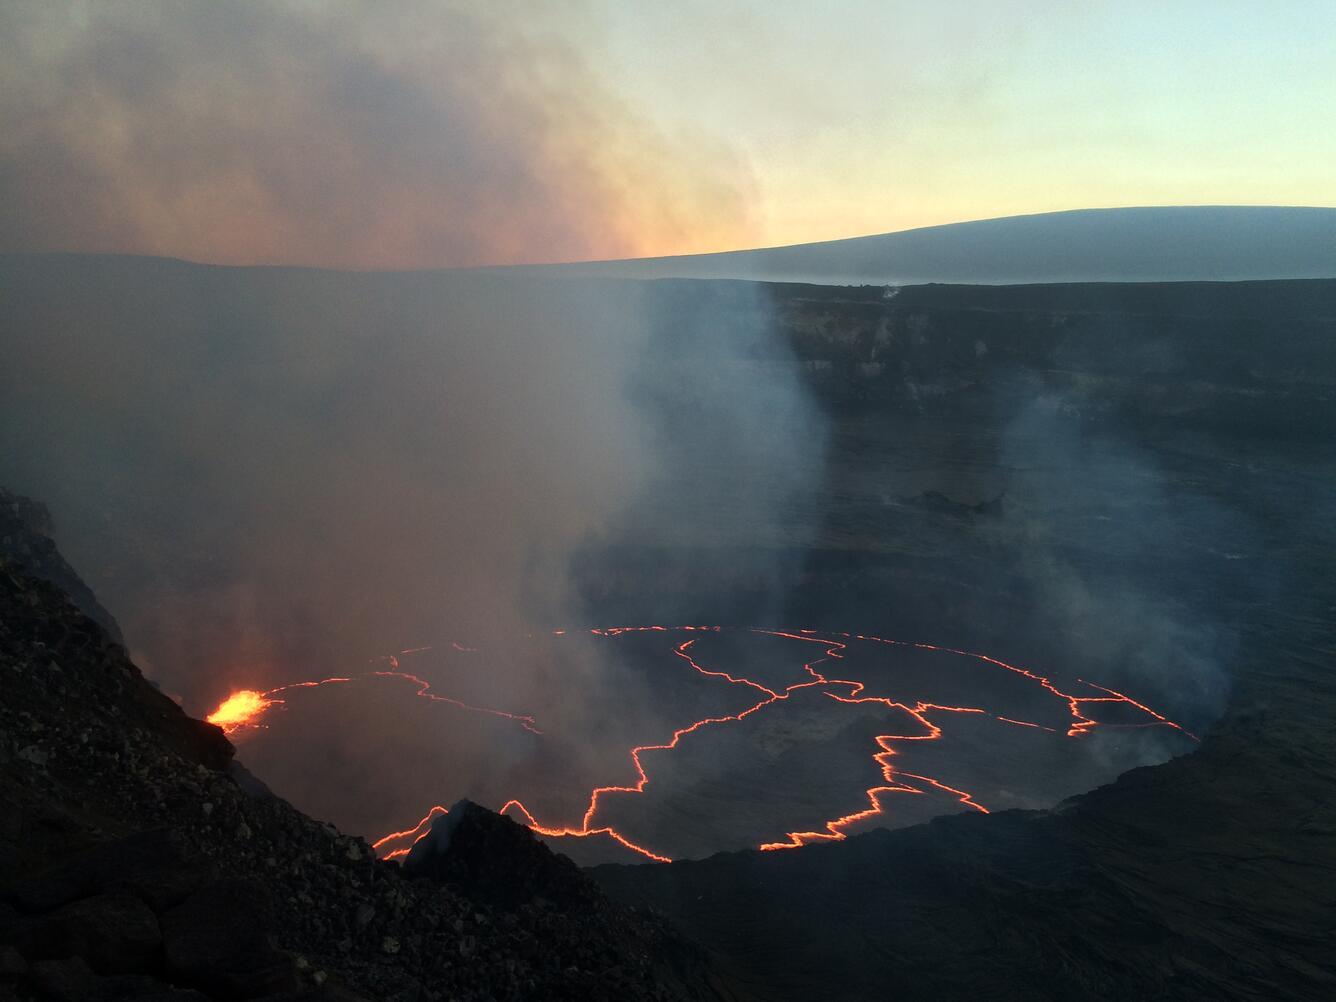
x: 414, y: 833
x: 523, y: 719
x: 245, y: 708
x: 240, y: 709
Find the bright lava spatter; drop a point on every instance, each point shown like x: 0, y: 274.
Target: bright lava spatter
x: 246, y: 707
x: 239, y: 709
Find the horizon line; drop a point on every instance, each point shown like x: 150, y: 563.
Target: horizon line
x: 432, y: 269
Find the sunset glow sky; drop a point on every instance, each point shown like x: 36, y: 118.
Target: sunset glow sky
x: 436, y: 134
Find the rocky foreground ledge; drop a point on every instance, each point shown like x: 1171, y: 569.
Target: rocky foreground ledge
x: 138, y: 862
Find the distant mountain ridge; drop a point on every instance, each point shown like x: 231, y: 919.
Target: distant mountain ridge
x: 1148, y: 244
x: 1210, y: 243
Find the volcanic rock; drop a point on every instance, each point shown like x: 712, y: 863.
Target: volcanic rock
x: 12, y: 964
x: 115, y: 933
x: 496, y: 861
x: 147, y: 864
x: 221, y: 938
x: 66, y: 980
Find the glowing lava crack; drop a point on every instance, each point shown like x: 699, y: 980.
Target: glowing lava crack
x: 247, y: 707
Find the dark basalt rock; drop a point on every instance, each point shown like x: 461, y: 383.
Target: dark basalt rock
x: 66, y: 980
x: 147, y: 864
x: 114, y: 933
x: 221, y: 938
x: 142, y: 989
x: 494, y: 860
x: 12, y: 964
x: 47, y: 633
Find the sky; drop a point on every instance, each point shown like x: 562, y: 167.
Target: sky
x: 441, y: 134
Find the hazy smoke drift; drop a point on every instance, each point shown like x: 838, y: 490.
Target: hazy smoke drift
x: 266, y: 473
x: 380, y: 135
x: 1109, y: 551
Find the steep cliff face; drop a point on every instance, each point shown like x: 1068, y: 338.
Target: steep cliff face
x: 1187, y: 352
x: 136, y: 863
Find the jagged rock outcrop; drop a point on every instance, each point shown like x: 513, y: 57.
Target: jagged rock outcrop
x: 498, y: 862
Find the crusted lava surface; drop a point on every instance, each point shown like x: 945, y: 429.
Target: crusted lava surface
x: 137, y: 861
